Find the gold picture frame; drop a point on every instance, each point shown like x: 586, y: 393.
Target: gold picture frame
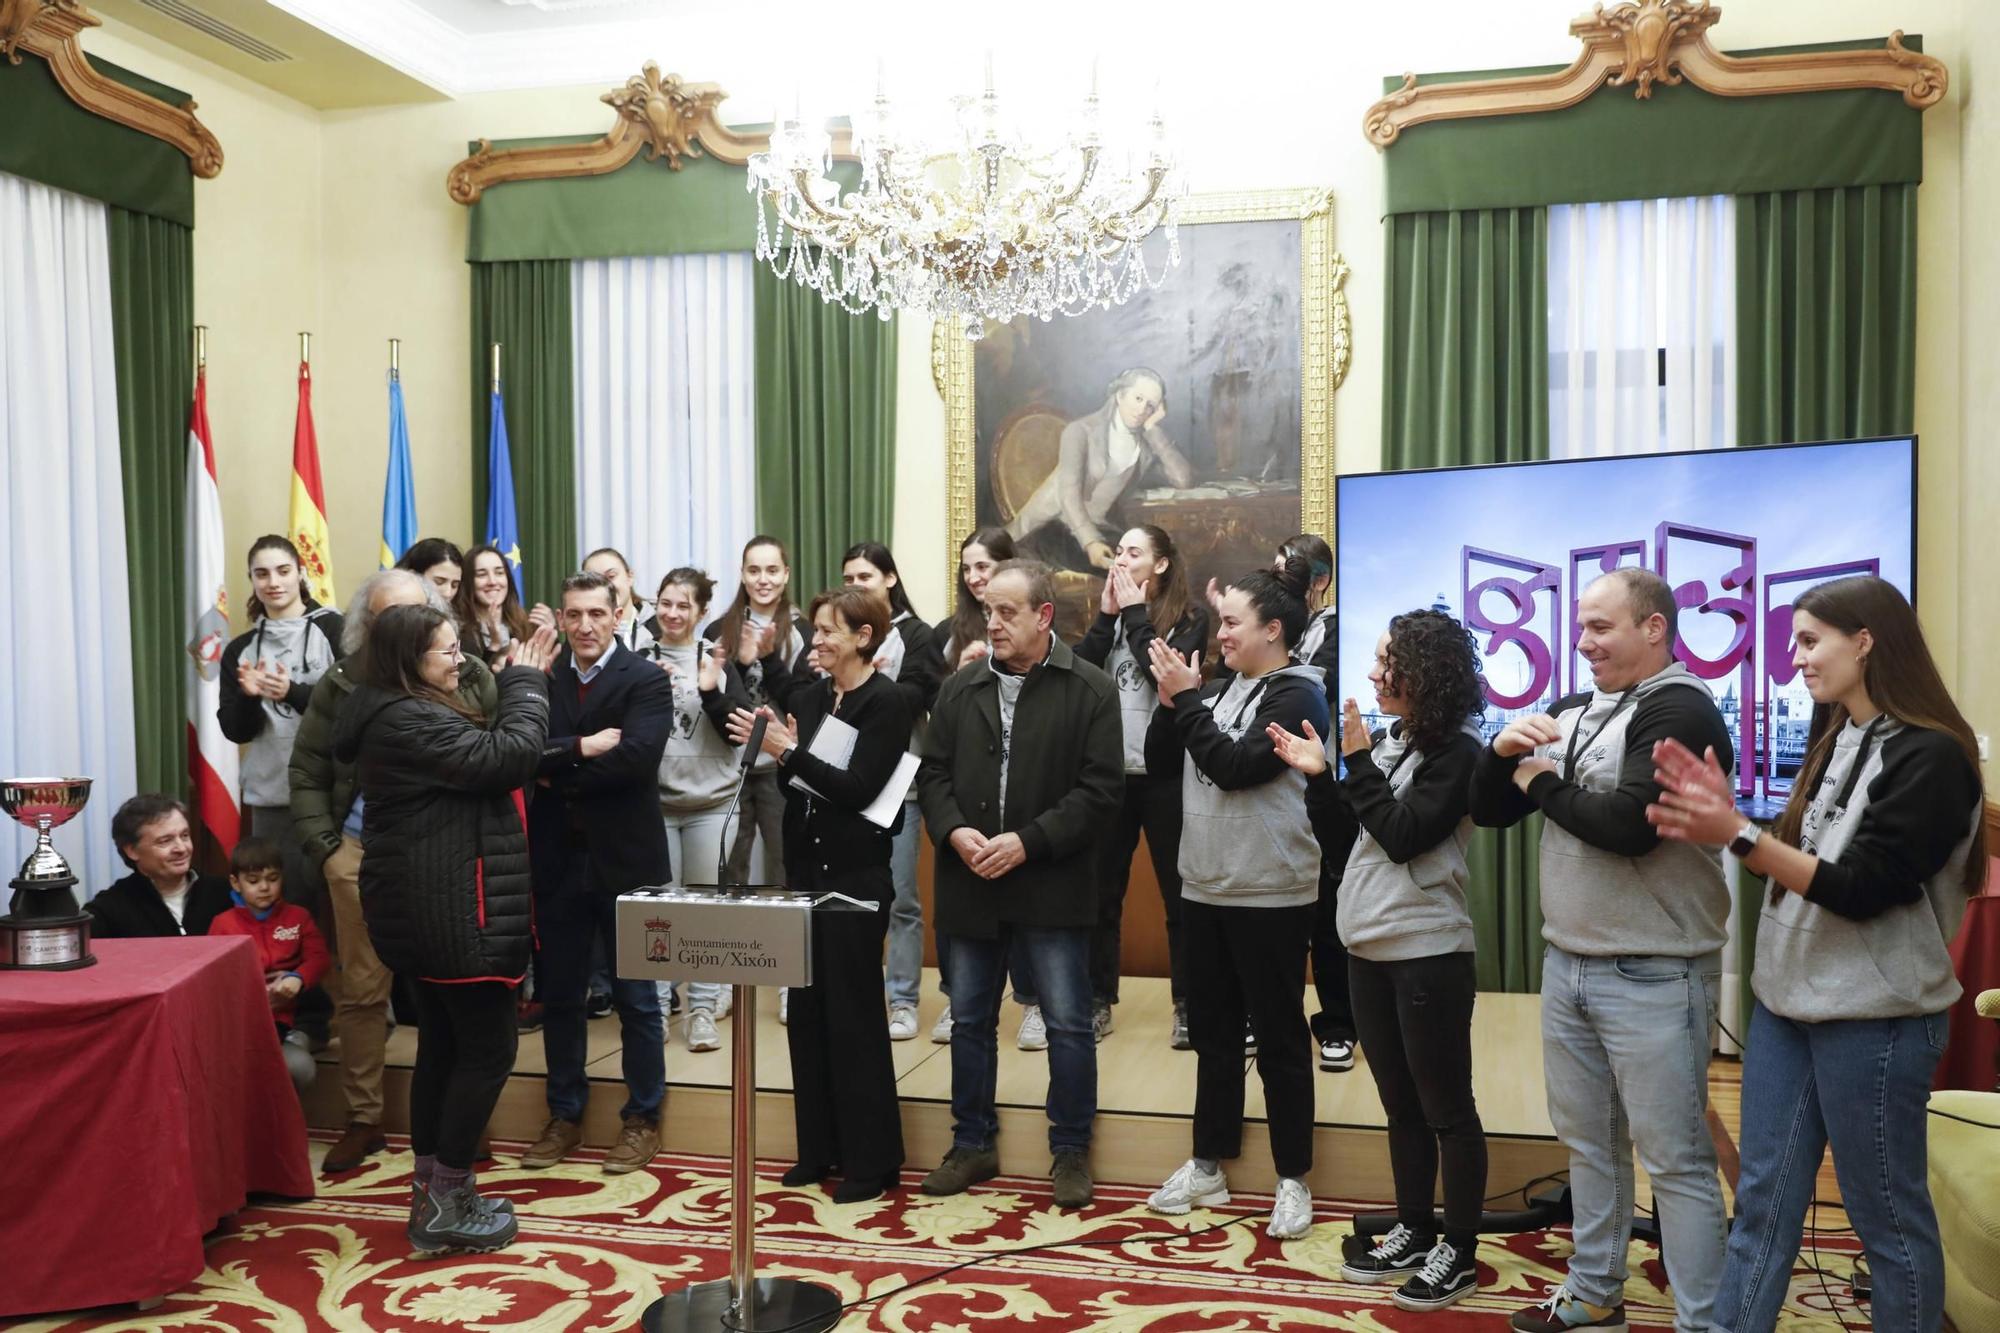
x: 1325, y: 347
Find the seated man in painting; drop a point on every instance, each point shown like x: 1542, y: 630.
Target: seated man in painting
x: 1102, y: 457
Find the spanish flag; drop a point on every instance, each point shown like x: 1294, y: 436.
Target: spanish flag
x: 308, y: 520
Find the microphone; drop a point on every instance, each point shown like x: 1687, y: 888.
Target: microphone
x: 750, y: 753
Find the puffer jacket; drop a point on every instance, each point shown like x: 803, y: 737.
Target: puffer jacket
x: 444, y: 887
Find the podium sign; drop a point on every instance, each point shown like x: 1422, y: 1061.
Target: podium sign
x: 760, y: 938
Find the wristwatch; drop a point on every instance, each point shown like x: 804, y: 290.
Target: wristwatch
x: 1745, y: 841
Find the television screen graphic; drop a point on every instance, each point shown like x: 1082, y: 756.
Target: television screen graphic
x: 1739, y: 533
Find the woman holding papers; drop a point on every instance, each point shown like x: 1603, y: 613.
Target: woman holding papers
x: 839, y: 740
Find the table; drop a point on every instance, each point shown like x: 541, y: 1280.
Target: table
x: 1975, y: 955
x: 141, y: 1101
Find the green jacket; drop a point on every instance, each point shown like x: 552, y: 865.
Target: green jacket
x: 322, y: 786
x: 1065, y: 780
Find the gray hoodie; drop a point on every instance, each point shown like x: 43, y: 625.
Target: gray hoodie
x: 698, y: 769
x: 1403, y: 893
x: 1868, y: 937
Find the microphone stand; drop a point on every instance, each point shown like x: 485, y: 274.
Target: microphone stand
x: 750, y: 753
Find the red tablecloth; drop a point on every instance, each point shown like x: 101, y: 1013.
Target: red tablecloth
x: 1975, y: 956
x: 141, y: 1101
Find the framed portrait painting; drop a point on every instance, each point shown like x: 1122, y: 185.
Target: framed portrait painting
x: 1202, y: 406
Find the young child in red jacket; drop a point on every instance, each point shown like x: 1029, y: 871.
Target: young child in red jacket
x: 289, y: 946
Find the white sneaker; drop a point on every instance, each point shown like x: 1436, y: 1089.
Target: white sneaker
x: 784, y: 1005
x: 1190, y: 1187
x: 1034, y: 1034
x: 902, y: 1022
x: 1291, y: 1211
x: 941, y: 1030
x: 724, y: 1003
x: 701, y: 1033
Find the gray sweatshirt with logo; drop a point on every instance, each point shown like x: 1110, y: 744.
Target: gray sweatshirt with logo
x: 1610, y: 884
x: 1892, y: 820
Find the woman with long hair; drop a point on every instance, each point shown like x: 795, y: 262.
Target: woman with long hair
x: 1246, y: 899
x: 1404, y: 919
x: 844, y: 1081
x: 910, y: 660
x: 444, y: 888
x: 1145, y: 599
x: 441, y: 562
x: 1867, y: 872
x: 267, y: 679
x: 759, y: 626
x: 609, y: 564
x: 492, y: 613
x: 698, y: 769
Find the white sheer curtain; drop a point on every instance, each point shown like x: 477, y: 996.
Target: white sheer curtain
x: 1642, y: 326
x: 665, y: 459
x: 66, y: 680
x: 1642, y: 359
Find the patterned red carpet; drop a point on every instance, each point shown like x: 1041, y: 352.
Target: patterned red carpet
x: 595, y: 1250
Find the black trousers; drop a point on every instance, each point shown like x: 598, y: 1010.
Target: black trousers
x: 1415, y: 1018
x: 843, y: 1080
x: 1152, y: 804
x: 465, y: 1050
x: 1335, y: 1019
x: 1250, y: 961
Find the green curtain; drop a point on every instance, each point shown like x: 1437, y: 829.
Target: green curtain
x: 1826, y: 314
x: 152, y: 318
x: 1466, y: 380
x: 826, y: 427
x: 524, y: 306
x: 51, y: 139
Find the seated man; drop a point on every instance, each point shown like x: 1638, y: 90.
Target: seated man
x: 290, y: 949
x: 163, y: 895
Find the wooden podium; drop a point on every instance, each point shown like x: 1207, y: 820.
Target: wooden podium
x: 746, y: 937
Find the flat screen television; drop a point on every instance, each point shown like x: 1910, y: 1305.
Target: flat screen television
x: 1739, y: 533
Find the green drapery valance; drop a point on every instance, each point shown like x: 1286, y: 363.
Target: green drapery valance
x: 51, y: 140
x: 1682, y: 141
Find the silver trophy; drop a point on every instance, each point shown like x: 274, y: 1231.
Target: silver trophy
x: 43, y: 927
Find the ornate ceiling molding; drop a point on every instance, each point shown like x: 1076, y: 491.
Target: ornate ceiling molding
x: 1647, y: 42
x: 50, y: 28
x: 664, y: 115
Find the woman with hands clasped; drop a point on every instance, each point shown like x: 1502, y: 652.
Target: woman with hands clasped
x: 843, y: 1080
x: 1867, y: 870
x: 1249, y: 879
x: 1403, y: 918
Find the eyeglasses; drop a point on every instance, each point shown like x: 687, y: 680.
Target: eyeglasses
x: 456, y: 652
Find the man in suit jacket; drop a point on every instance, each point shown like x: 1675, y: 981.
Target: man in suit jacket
x: 1101, y: 456
x: 163, y: 895
x: 594, y: 832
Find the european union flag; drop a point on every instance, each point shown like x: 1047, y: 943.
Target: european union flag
x: 503, y: 528
x: 399, y: 491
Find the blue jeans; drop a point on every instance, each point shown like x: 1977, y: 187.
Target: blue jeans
x: 1879, y: 1074
x: 1060, y: 959
x: 1625, y: 1047
x: 570, y: 925
x: 906, y: 914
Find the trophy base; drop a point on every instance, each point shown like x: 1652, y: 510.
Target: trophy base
x: 775, y: 1303
x: 45, y: 944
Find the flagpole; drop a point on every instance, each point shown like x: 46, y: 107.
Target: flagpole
x: 305, y: 348
x: 200, y: 348
x: 496, y: 367
x: 395, y: 370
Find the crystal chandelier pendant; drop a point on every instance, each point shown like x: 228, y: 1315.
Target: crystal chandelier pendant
x: 971, y: 226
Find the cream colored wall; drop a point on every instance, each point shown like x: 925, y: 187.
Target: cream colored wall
x: 339, y: 222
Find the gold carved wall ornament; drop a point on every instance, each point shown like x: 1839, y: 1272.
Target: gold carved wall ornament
x: 1643, y: 43
x: 50, y: 29
x: 665, y: 115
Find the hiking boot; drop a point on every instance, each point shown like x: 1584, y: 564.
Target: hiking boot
x: 1190, y: 1187
x: 1070, y: 1174
x: 1291, y: 1211
x: 1034, y: 1033
x: 355, y: 1147
x: 1563, y: 1312
x: 460, y: 1220
x: 701, y: 1033
x: 1178, y: 1038
x: 1336, y: 1055
x: 963, y: 1168
x: 941, y: 1030
x: 902, y: 1022
x: 420, y: 1199
x: 558, y: 1138
x: 1100, y: 1020
x: 638, y: 1143
x: 1448, y: 1275
x: 1397, y: 1255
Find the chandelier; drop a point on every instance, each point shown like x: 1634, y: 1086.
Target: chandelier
x: 973, y: 225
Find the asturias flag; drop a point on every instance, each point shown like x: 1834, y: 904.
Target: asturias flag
x: 399, y: 492
x: 308, y: 521
x: 503, y: 529
x: 212, y: 770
